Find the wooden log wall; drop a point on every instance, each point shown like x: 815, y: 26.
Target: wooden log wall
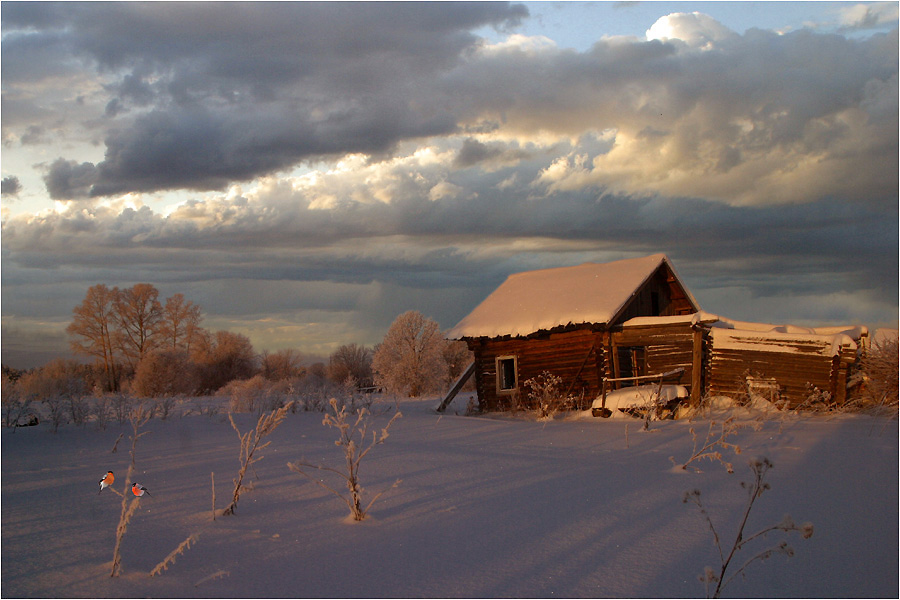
x: 797, y: 366
x: 578, y: 357
x: 667, y: 347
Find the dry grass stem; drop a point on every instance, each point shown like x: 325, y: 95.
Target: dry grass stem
x: 138, y: 417
x: 713, y: 440
x: 170, y: 559
x: 354, y: 452
x: 251, y: 443
x: 754, y: 490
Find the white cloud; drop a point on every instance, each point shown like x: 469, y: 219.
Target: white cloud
x: 694, y: 29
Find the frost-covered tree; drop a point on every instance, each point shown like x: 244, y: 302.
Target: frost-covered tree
x: 409, y: 360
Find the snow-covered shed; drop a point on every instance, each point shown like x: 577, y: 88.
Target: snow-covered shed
x: 559, y: 320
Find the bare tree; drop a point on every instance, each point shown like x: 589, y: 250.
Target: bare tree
x: 93, y: 326
x: 179, y: 323
x: 225, y: 357
x: 351, y: 360
x: 138, y: 315
x: 409, y: 358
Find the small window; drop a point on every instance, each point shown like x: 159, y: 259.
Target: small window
x: 507, y: 380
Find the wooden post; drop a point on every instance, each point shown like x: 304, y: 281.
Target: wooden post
x: 697, y: 367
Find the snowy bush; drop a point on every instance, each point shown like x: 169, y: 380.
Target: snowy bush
x: 165, y: 373
x: 545, y: 395
x: 354, y: 441
x: 880, y: 366
x: 15, y: 404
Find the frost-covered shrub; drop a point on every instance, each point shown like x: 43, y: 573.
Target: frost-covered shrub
x: 354, y: 441
x: 56, y: 408
x: 166, y: 373
x: 102, y: 411
x: 79, y: 409
x: 545, y: 395
x: 880, y: 367
x: 257, y: 394
x: 15, y: 404
x: 121, y: 406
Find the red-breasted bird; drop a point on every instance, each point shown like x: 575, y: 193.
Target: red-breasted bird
x: 139, y: 490
x: 106, y: 481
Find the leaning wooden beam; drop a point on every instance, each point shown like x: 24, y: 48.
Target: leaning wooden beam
x: 456, y: 387
x: 671, y: 373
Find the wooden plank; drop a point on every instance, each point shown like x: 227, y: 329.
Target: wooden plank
x: 697, y: 368
x: 460, y: 382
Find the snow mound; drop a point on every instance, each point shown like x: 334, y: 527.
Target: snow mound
x: 641, y: 396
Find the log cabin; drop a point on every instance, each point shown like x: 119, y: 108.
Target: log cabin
x: 560, y: 320
x: 601, y: 326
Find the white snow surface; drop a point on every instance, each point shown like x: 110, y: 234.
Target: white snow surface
x: 541, y: 300
x: 488, y: 507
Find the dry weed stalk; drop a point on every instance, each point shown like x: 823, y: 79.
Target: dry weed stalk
x: 138, y: 417
x: 115, y: 447
x: 250, y: 444
x: 354, y: 452
x: 170, y: 559
x: 759, y: 467
x: 708, y: 449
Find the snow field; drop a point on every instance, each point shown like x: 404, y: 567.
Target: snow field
x: 488, y: 507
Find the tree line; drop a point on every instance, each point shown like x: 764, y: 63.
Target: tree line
x: 151, y: 347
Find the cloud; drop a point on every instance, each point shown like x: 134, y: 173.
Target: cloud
x: 11, y: 187
x: 868, y: 16
x: 294, y: 82
x: 68, y: 180
x: 337, y: 163
x: 757, y: 118
x: 695, y: 29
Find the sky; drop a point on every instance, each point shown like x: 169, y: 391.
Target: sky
x: 307, y: 172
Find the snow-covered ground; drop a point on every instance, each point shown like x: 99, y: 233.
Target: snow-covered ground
x: 488, y: 507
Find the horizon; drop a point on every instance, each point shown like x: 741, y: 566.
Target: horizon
x: 306, y: 172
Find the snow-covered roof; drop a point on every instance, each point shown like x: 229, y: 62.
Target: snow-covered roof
x: 541, y: 300
x: 769, y: 337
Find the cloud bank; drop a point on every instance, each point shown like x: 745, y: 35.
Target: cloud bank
x: 350, y: 161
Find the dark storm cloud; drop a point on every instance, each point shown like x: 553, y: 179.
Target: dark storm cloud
x: 236, y: 90
x: 10, y: 186
x: 68, y: 180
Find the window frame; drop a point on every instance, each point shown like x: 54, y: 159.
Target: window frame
x: 499, y: 361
